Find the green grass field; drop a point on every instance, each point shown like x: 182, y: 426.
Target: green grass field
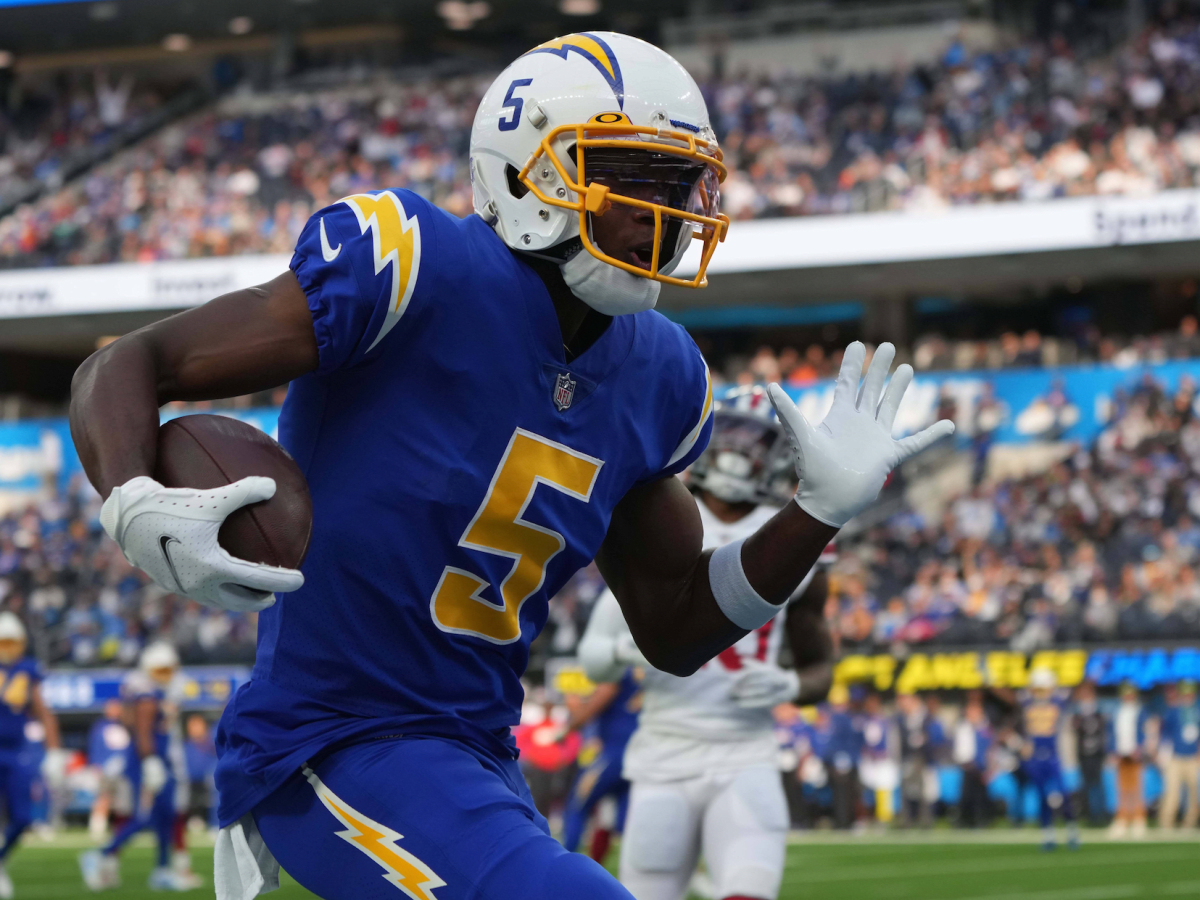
x: 1005, y: 867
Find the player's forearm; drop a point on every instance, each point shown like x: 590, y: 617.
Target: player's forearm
x: 601, y: 698
x: 114, y: 413
x: 653, y: 562
x: 815, y: 682
x: 778, y: 556
x: 244, y: 341
x: 775, y: 560
x: 53, y: 737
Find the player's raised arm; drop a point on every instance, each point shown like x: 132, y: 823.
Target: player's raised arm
x: 683, y: 605
x: 245, y: 341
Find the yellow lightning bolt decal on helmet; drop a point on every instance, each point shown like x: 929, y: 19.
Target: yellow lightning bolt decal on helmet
x: 397, y: 240
x: 377, y: 841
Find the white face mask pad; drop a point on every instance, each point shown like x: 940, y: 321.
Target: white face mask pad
x: 607, y: 289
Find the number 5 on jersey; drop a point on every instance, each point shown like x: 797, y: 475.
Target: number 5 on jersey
x: 499, y: 528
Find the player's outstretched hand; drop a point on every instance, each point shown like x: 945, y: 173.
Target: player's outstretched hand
x: 171, y: 535
x: 760, y: 685
x: 843, y: 462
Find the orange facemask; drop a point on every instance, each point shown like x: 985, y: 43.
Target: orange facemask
x: 615, y: 131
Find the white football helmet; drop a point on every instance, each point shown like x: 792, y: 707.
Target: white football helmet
x: 160, y: 661
x: 1043, y: 679
x: 568, y: 125
x: 747, y: 459
x: 13, y: 639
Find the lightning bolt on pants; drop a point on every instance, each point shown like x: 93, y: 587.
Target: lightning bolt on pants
x: 421, y: 819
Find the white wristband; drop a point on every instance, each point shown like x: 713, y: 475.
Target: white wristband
x: 737, y: 599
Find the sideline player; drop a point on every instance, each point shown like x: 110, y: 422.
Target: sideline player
x: 480, y: 407
x: 151, y: 765
x: 704, y: 759
x: 21, y: 701
x: 1043, y: 716
x: 609, y: 716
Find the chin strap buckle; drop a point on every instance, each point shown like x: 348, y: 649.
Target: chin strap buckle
x: 596, y: 200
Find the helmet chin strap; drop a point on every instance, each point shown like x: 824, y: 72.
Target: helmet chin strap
x: 607, y: 289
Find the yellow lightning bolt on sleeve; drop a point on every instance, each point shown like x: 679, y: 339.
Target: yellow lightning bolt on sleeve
x: 396, y: 240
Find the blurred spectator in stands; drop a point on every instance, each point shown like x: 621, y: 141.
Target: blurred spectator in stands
x: 793, y: 734
x: 971, y: 753
x: 1091, y: 746
x: 1127, y: 744
x: 880, y: 773
x: 842, y: 756
x: 1180, y: 740
x: 916, y: 758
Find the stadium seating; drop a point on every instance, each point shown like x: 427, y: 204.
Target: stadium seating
x: 1027, y: 122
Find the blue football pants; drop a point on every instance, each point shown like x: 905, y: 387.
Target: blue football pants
x: 427, y: 816
x: 158, y: 815
x: 599, y: 780
x: 16, y: 780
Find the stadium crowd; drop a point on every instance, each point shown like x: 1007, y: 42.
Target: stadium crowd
x: 47, y: 127
x: 1029, y: 121
x: 1105, y: 545
x: 932, y: 352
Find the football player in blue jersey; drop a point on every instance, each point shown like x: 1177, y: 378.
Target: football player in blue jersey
x: 151, y: 767
x: 610, y: 716
x: 480, y: 406
x: 20, y: 703
x: 1043, y: 715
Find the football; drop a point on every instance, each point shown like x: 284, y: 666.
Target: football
x: 206, y: 452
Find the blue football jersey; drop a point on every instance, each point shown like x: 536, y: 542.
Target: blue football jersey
x: 461, y: 471
x: 616, y: 725
x: 136, y: 687
x: 17, y: 682
x: 1042, y: 720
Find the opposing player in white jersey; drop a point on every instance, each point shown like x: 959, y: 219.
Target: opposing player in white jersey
x: 703, y: 761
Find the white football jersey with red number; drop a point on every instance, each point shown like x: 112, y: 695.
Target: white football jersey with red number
x: 692, y: 725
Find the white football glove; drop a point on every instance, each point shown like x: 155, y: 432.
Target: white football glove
x: 171, y: 535
x: 759, y: 685
x: 154, y: 774
x: 54, y: 767
x: 843, y: 462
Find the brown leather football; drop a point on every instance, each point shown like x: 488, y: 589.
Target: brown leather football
x: 206, y: 452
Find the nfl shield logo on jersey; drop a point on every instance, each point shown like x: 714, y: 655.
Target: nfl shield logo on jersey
x: 564, y: 391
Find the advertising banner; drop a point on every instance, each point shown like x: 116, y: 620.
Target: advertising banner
x: 87, y: 690
x: 119, y: 287
x: 1148, y: 668
x: 966, y: 670
x: 1076, y: 223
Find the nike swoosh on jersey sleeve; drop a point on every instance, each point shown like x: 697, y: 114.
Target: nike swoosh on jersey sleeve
x: 358, y: 262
